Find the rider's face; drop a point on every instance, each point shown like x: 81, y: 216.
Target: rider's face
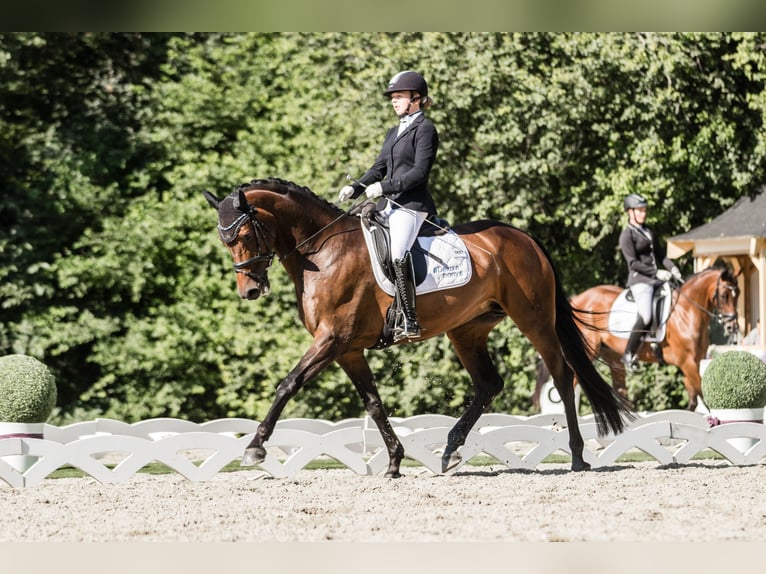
x: 401, y: 103
x: 638, y: 215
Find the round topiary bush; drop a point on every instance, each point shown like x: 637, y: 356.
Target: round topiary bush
x: 27, y: 390
x: 735, y: 380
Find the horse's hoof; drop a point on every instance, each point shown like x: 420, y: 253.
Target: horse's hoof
x: 393, y: 474
x: 451, y: 461
x: 253, y: 455
x: 577, y: 466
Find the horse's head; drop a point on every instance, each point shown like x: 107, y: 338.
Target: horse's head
x: 246, y: 237
x: 725, y: 301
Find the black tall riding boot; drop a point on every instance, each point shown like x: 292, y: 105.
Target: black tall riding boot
x: 405, y: 288
x: 634, y: 343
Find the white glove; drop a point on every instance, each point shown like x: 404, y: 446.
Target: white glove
x: 662, y: 274
x: 374, y: 190
x: 345, y: 193
x: 676, y: 272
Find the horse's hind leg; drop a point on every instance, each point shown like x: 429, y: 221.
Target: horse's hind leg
x: 358, y: 370
x: 563, y: 380
x: 541, y: 332
x: 470, y: 342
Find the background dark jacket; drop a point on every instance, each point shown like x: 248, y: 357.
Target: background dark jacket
x: 642, y: 255
x: 404, y: 164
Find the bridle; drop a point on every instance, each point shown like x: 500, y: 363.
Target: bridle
x: 720, y: 318
x: 723, y: 318
x: 256, y: 267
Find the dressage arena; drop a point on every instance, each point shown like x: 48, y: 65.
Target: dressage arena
x: 687, y: 500
x: 709, y: 501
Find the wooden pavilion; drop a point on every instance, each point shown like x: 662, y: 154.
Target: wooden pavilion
x: 738, y: 237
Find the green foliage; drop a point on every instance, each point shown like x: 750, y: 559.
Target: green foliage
x: 110, y: 267
x: 27, y: 390
x: 735, y: 380
x: 656, y: 388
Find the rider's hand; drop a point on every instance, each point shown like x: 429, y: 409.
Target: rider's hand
x: 374, y: 190
x: 346, y: 192
x: 676, y: 273
x: 663, y: 275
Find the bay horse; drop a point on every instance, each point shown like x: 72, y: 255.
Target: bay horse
x: 711, y: 294
x: 339, y: 302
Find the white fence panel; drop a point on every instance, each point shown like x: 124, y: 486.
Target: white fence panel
x: 198, y: 451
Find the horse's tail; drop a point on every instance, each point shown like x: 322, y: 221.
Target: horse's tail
x: 610, y: 409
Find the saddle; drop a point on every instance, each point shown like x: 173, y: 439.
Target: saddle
x: 440, y: 260
x: 380, y: 234
x: 622, y: 314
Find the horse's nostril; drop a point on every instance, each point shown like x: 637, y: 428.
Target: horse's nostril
x: 253, y: 294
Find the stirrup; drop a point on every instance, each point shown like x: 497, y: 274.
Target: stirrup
x: 630, y: 361
x: 409, y: 330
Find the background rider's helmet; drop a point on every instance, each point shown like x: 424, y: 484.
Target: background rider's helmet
x: 634, y: 201
x: 407, y: 81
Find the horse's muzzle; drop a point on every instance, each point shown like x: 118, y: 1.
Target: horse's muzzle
x: 731, y: 327
x: 729, y: 323
x: 251, y: 289
x: 251, y: 294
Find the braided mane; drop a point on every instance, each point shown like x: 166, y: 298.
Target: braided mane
x: 285, y: 187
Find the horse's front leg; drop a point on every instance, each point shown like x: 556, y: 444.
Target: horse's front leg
x: 319, y: 355
x: 358, y: 370
x: 692, y: 382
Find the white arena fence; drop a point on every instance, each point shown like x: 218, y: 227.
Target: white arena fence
x: 199, y: 451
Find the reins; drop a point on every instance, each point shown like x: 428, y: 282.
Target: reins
x: 721, y: 318
x: 436, y: 225
x: 258, y: 229
x: 315, y: 234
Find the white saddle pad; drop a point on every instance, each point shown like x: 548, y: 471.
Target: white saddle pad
x: 622, y: 315
x: 447, y: 260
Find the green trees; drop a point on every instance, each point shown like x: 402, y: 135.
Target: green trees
x: 110, y: 268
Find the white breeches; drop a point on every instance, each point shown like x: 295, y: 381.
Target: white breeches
x: 642, y: 293
x: 404, y: 225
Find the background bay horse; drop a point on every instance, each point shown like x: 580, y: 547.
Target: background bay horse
x: 709, y: 294
x: 341, y: 305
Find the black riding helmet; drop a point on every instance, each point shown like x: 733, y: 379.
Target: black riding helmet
x: 634, y: 201
x: 407, y: 81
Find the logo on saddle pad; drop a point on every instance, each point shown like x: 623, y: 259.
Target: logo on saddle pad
x: 623, y: 313
x: 440, y: 261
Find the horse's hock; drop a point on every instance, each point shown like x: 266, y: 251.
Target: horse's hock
x: 111, y: 451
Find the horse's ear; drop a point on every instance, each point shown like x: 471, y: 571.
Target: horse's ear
x: 243, y: 205
x: 211, y: 199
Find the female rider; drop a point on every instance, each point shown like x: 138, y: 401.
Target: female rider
x: 400, y: 175
x: 641, y: 248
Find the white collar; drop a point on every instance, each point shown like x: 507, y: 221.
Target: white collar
x: 407, y: 120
